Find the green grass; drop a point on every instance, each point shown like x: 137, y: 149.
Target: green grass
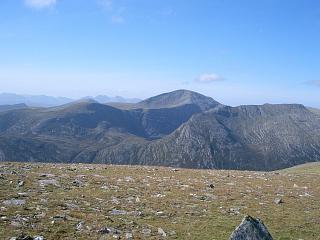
x: 308, y: 168
x: 191, y: 209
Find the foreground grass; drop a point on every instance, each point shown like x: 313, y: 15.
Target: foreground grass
x: 180, y: 202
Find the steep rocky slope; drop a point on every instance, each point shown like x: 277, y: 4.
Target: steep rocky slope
x: 247, y: 137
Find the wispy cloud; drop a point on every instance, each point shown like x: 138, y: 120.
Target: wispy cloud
x: 117, y: 19
x: 39, y: 4
x: 114, y: 11
x: 314, y: 83
x: 208, y: 78
x: 106, y: 3
x: 166, y: 12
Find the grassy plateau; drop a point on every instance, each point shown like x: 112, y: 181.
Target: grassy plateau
x: 79, y: 201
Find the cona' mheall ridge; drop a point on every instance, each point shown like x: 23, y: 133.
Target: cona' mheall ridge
x: 180, y: 128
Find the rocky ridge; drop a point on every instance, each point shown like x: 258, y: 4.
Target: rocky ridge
x: 178, y: 129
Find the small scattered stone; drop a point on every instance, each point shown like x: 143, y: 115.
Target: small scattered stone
x: 105, y: 230
x: 77, y: 183
x: 135, y: 213
x: 59, y: 218
x: 278, y: 201
x: 80, y: 226
x: 72, y: 206
x: 129, y: 179
x: 47, y: 182
x: 305, y: 195
x: 129, y: 236
x: 160, y: 213
x: 22, y: 194
x: 20, y: 183
x: 118, y: 212
x: 146, y: 231
x: 47, y: 175
x: 234, y: 211
x: 115, y: 200
x: 161, y: 232
x: 22, y: 238
x: 159, y: 195
x: 40, y: 215
x: 44, y: 201
x: 38, y: 238
x: 25, y: 237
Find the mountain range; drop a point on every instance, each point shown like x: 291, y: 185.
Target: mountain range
x: 49, y: 101
x: 179, y: 129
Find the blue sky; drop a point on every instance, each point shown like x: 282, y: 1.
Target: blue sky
x: 238, y: 52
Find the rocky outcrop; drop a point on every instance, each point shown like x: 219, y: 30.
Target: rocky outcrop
x: 251, y: 229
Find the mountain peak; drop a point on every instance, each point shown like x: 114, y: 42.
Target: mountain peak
x: 178, y: 98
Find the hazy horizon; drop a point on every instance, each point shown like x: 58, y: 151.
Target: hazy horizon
x: 243, y: 52
x: 136, y: 99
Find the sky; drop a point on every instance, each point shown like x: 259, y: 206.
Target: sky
x: 237, y: 52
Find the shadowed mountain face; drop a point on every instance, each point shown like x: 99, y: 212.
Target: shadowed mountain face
x: 248, y: 137
x: 181, y: 128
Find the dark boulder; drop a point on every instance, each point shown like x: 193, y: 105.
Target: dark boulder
x: 251, y: 229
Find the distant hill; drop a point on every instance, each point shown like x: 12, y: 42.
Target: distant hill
x: 180, y: 129
x: 49, y: 101
x: 117, y: 99
x: 314, y: 110
x: 32, y: 100
x: 12, y: 107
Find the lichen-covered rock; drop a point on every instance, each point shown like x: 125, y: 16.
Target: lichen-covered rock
x: 251, y: 229
x: 14, y: 202
x: 47, y: 182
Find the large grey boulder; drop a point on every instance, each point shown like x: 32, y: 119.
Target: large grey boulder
x: 251, y: 229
